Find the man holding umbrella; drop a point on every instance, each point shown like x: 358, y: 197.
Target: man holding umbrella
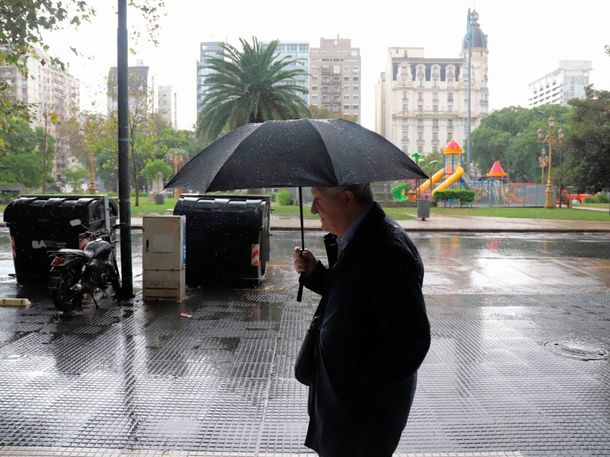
x: 361, y: 366
x: 374, y: 332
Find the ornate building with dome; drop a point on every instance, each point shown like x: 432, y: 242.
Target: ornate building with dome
x: 422, y: 103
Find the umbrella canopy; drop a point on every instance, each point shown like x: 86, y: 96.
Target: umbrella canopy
x: 295, y: 153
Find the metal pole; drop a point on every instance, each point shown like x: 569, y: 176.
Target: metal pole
x: 300, y: 292
x: 560, y: 172
x: 123, y: 139
x: 469, y: 28
x: 549, y: 181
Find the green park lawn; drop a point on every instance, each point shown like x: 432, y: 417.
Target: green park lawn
x: 528, y: 213
x: 148, y: 207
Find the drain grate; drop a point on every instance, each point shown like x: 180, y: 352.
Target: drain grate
x: 268, y: 297
x: 576, y: 350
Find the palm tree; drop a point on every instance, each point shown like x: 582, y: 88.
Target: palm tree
x: 251, y: 85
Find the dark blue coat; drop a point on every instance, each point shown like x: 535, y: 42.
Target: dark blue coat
x: 373, y: 338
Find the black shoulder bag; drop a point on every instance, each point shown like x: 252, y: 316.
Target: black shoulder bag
x: 304, y: 365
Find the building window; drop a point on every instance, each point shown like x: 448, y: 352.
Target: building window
x: 435, y: 149
x: 420, y: 136
x: 450, y: 124
x: 435, y: 124
x: 356, y: 107
x: 420, y: 97
x: 346, y: 78
x: 450, y: 97
x: 435, y: 108
x: 345, y: 107
x: 420, y: 149
x: 449, y: 136
x: 450, y: 107
x: 420, y: 108
x: 336, y: 69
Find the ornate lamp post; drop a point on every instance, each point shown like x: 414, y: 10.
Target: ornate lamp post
x: 542, y: 161
x: 551, y: 138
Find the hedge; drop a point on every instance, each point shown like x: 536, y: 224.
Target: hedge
x: 461, y: 195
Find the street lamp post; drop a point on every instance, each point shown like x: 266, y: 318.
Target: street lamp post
x: 542, y: 161
x: 551, y: 138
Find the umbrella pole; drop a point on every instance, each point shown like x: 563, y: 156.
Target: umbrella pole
x: 300, y: 293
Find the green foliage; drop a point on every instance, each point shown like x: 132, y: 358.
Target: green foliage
x: 21, y: 159
x: 251, y: 85
x: 464, y: 196
x: 599, y: 198
x: 588, y: 145
x: 316, y: 112
x: 285, y: 198
x: 509, y: 135
x: 75, y: 176
x: 156, y: 168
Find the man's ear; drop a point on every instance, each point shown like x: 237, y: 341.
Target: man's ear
x: 348, y: 197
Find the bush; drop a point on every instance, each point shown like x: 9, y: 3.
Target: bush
x: 599, y: 198
x: 285, y: 198
x: 461, y: 195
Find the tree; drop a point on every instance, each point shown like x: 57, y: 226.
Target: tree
x: 75, y: 176
x: 21, y: 160
x: 321, y: 113
x: 509, y: 135
x: 588, y: 142
x: 156, y: 169
x: 252, y: 85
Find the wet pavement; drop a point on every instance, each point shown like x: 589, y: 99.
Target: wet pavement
x: 141, y: 380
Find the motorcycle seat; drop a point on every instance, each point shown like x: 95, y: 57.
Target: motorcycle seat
x: 76, y: 253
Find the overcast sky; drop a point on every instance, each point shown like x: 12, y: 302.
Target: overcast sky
x: 526, y: 39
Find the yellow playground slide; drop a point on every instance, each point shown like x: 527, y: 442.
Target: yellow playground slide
x: 435, y: 177
x: 454, y: 177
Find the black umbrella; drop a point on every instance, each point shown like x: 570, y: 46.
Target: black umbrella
x: 295, y: 153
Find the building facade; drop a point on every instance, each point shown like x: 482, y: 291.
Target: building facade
x: 558, y: 87
x: 207, y: 50
x: 138, y: 87
x: 422, y: 103
x: 167, y: 104
x: 298, y: 51
x: 54, y: 95
x: 335, y: 72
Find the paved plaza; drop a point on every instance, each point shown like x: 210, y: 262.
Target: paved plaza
x: 518, y: 321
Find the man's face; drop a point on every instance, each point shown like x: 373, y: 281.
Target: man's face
x: 333, y: 209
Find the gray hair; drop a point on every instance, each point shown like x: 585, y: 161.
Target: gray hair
x: 362, y: 192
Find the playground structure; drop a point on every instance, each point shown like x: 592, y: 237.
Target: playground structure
x: 494, y: 189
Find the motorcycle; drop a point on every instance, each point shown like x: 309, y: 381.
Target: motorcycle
x: 76, y: 272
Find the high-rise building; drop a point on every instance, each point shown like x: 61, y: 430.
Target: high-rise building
x: 167, y: 104
x: 137, y: 89
x: 298, y: 51
x: 207, y: 50
x: 335, y: 77
x: 53, y: 94
x: 422, y: 103
x: 566, y: 82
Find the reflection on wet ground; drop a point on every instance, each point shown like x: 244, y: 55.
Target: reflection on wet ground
x: 141, y: 377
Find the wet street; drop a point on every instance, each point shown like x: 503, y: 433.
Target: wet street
x: 517, y: 367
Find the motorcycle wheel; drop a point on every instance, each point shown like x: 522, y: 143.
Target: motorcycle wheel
x: 64, y: 298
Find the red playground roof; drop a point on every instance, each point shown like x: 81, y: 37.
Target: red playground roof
x: 496, y: 171
x: 453, y: 147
